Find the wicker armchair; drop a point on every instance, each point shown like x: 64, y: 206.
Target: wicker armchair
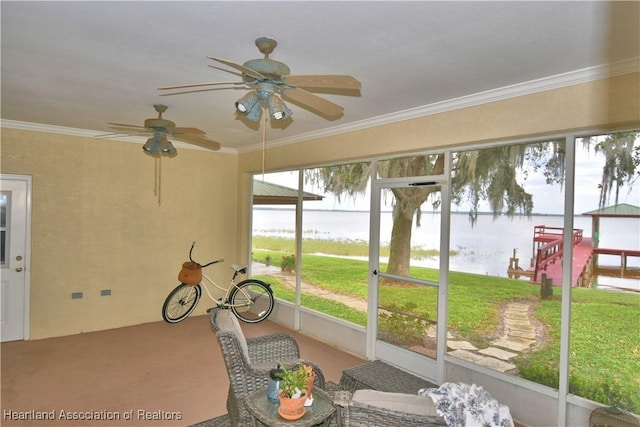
x: 248, y: 361
x: 377, y: 408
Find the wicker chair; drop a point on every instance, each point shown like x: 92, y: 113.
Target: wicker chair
x: 248, y: 361
x: 378, y: 408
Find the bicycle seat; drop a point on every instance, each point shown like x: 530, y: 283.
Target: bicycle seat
x: 242, y: 269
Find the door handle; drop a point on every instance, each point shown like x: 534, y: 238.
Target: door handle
x: 18, y: 269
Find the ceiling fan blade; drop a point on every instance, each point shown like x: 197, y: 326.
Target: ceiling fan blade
x: 248, y: 71
x: 200, y: 141
x: 324, y: 81
x: 313, y: 101
x: 125, y: 126
x: 187, y: 131
x: 129, y: 131
x: 182, y: 92
x: 197, y: 85
x: 226, y: 71
x: 120, y: 134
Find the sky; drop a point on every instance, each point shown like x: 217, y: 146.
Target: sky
x: 547, y: 199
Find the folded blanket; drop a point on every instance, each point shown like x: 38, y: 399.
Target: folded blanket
x: 463, y: 405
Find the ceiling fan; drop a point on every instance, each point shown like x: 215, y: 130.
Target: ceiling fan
x: 162, y: 129
x: 272, y: 81
x: 159, y: 144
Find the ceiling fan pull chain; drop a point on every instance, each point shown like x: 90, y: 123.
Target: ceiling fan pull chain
x: 264, y: 144
x: 156, y: 177
x: 159, y: 180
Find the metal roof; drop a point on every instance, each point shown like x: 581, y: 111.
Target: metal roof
x: 623, y: 210
x: 266, y: 193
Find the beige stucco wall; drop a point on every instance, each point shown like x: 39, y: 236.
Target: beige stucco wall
x: 96, y: 224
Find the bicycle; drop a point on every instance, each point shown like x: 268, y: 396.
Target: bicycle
x: 250, y: 300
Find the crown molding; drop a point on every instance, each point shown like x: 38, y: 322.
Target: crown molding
x: 61, y: 130
x: 533, y: 86
x: 40, y: 127
x: 571, y: 78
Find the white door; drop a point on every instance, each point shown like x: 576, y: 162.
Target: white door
x: 15, y: 202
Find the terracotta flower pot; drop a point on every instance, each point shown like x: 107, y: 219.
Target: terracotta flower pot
x: 291, y: 408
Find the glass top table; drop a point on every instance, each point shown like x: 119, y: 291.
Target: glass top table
x: 265, y: 412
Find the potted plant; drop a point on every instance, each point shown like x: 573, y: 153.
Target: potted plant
x: 288, y: 262
x: 292, y: 394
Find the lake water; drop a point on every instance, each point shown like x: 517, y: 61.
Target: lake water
x: 484, y: 248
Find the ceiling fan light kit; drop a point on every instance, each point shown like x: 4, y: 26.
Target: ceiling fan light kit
x: 251, y: 103
x: 159, y: 144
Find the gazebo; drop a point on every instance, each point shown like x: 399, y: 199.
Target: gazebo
x: 622, y: 210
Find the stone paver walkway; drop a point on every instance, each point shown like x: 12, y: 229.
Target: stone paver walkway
x: 519, y: 335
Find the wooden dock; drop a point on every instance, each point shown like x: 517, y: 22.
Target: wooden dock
x: 548, y: 250
x: 623, y: 270
x: 582, y: 253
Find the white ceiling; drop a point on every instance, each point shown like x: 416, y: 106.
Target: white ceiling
x: 83, y: 64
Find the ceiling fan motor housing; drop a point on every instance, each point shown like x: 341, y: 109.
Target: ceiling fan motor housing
x: 159, y: 124
x: 268, y: 68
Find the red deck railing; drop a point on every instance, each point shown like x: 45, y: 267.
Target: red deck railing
x: 549, y: 243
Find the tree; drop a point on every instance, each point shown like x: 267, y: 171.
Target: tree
x: 622, y: 159
x: 407, y: 202
x: 494, y: 175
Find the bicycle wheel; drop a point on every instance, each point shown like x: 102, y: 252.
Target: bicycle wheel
x: 181, y: 302
x: 251, y: 301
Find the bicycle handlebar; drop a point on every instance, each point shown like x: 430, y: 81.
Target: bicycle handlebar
x: 207, y: 264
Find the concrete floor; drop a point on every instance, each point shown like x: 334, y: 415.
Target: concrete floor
x: 154, y: 374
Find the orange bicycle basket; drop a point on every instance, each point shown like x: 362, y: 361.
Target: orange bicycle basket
x: 191, y: 273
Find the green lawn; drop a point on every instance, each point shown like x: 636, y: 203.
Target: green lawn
x: 605, y: 335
